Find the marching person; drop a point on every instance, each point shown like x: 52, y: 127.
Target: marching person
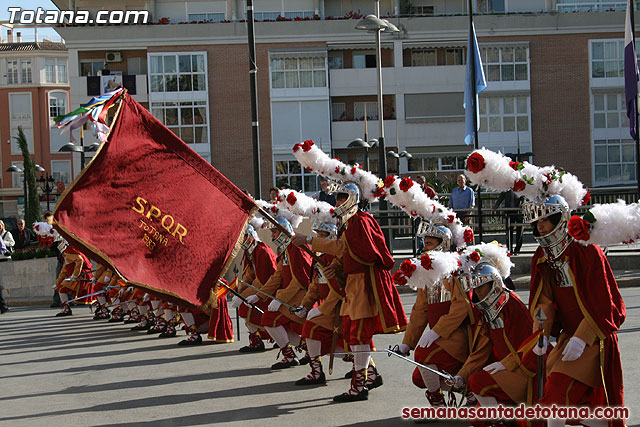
x: 75, y: 261
x: 575, y: 287
x: 446, y: 309
x: 502, y: 367
x: 288, y: 284
x: 259, y: 264
x: 372, y: 304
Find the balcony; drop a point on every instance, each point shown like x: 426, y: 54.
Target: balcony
x: 80, y: 93
x: 342, y: 133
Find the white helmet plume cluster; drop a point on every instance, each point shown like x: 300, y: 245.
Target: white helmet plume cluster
x: 305, y: 206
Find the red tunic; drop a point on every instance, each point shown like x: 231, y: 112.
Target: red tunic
x: 368, y: 253
x: 265, y: 263
x: 598, y: 297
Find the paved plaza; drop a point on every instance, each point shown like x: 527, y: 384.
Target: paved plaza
x: 78, y: 372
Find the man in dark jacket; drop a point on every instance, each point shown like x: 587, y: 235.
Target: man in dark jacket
x: 22, y: 236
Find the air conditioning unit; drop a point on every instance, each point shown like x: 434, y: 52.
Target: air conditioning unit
x: 113, y: 57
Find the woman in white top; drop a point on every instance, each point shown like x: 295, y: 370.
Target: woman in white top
x: 7, y: 237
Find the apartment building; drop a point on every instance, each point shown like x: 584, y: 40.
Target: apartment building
x: 34, y: 88
x: 554, y: 69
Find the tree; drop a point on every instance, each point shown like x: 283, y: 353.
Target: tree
x: 407, y: 7
x: 32, y: 213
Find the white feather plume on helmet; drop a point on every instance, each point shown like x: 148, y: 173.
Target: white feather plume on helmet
x: 275, y: 211
x: 305, y: 206
x: 496, y: 171
x: 428, y: 270
x: 315, y: 160
x: 607, y: 224
x: 412, y: 199
x: 493, y: 253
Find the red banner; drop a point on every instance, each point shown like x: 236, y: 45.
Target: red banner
x: 153, y: 209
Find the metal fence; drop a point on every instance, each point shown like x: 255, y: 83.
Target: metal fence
x: 493, y: 221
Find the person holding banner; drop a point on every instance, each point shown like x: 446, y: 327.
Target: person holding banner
x: 67, y: 283
x: 259, y: 264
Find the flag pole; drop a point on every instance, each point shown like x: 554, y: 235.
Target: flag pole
x: 637, y: 139
x: 253, y: 79
x: 474, y: 104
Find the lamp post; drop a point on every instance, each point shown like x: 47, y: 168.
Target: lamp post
x: 372, y: 23
x: 16, y: 169
x: 70, y: 147
x: 46, y: 185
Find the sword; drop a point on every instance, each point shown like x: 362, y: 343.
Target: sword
x: 86, y: 296
x: 541, y: 318
x: 334, y: 336
x: 255, y: 307
x: 235, y: 272
x: 76, y: 280
x: 390, y: 352
x: 291, y: 308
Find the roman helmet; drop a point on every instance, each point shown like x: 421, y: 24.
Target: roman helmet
x: 350, y: 206
x: 557, y: 209
x: 251, y: 239
x: 439, y: 231
x: 325, y: 226
x: 498, y: 295
x: 283, y: 240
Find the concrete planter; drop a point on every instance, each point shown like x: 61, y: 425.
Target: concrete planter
x: 28, y: 282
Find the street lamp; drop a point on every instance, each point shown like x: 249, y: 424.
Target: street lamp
x: 372, y: 23
x: 46, y: 185
x: 359, y: 143
x: 70, y: 147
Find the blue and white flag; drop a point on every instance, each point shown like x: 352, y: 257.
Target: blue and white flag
x: 630, y: 72
x: 472, y: 118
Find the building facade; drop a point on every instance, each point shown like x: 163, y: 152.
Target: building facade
x: 555, y: 81
x: 34, y: 88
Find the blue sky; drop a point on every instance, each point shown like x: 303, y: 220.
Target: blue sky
x: 32, y: 5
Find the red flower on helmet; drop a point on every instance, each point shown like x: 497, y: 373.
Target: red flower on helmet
x: 353, y: 170
x: 274, y: 209
x: 337, y: 169
x: 425, y: 262
x: 406, y: 184
x: 519, y: 185
x: 306, y: 146
x: 414, y: 213
x: 515, y: 165
x: 475, y: 256
x: 296, y: 147
x: 475, y: 162
x: 291, y: 199
x: 468, y: 235
x: 451, y: 218
x: 399, y: 279
x: 586, y: 198
x: 332, y: 211
x: 389, y: 180
x: 579, y: 228
x: 379, y: 192
x: 407, y: 268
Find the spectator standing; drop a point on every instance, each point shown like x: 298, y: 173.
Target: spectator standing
x: 512, y: 201
x: 7, y: 238
x: 462, y: 198
x: 3, y: 304
x: 22, y: 236
x: 323, y: 195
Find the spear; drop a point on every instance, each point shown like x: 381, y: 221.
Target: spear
x: 541, y: 318
x: 235, y: 272
x: 234, y: 292
x: 291, y: 308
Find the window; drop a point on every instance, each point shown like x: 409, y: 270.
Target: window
x: 506, y: 114
x: 423, y: 57
x: 26, y: 71
x: 91, y: 68
x: 57, y: 104
x: 434, y: 106
x: 55, y: 70
x: 336, y: 60
x: 19, y: 71
x: 304, y: 72
x: 590, y: 5
x: 424, y: 10
x: 437, y: 162
x: 505, y: 63
x: 609, y: 111
x: 371, y: 110
x: 265, y: 16
x: 338, y: 111
x: 204, y: 17
x: 607, y: 59
x: 188, y: 120
x: 177, y: 73
x: 289, y: 172
x: 302, y: 14
x: 12, y: 72
x: 61, y: 171
x: 137, y: 65
x: 364, y: 60
x: 491, y: 6
x: 454, y: 56
x: 614, y: 161
x: 20, y: 106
